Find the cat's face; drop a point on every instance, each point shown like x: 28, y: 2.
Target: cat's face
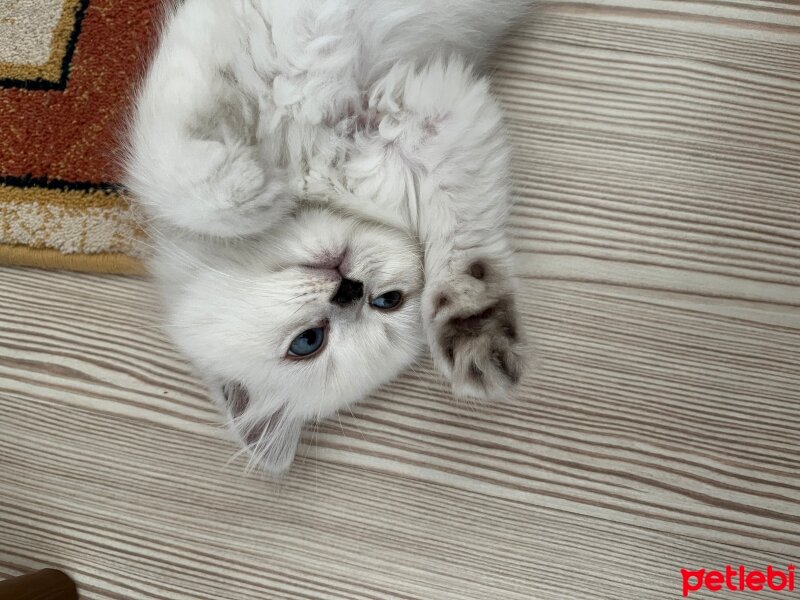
x: 310, y: 320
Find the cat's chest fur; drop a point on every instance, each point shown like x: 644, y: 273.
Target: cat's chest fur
x: 363, y: 160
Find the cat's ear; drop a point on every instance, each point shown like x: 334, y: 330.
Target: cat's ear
x: 270, y: 436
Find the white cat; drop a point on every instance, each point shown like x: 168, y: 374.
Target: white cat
x: 326, y: 184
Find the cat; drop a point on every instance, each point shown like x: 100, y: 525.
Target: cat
x: 326, y: 185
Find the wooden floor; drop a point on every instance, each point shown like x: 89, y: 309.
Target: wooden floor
x: 658, y: 223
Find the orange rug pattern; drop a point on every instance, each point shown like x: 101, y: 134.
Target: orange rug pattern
x: 68, y: 69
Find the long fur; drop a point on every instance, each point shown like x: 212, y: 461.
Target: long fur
x: 280, y: 146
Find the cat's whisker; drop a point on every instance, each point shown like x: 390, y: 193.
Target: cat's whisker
x: 413, y: 371
x: 315, y: 462
x: 344, y: 433
x: 355, y: 422
x: 236, y: 455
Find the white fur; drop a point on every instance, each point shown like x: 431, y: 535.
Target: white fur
x: 274, y: 139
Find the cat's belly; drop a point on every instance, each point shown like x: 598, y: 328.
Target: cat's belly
x: 368, y: 183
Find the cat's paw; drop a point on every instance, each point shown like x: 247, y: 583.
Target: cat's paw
x: 474, y: 333
x: 242, y: 194
x: 211, y: 188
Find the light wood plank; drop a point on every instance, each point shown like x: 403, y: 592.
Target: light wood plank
x: 658, y: 227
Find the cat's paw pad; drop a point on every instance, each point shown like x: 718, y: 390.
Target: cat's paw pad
x: 474, y: 333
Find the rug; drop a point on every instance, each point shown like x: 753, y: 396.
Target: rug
x: 68, y: 69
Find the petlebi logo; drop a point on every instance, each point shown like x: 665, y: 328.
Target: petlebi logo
x: 739, y: 579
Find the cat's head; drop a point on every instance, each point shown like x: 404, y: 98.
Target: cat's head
x: 292, y: 327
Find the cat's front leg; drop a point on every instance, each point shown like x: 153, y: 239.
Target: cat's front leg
x: 469, y: 305
x: 444, y: 131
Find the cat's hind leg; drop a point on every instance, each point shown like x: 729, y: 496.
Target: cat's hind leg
x: 194, y: 160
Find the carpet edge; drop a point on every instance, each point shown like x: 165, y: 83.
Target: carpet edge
x: 46, y: 258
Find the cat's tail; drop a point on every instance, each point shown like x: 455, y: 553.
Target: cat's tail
x: 403, y: 30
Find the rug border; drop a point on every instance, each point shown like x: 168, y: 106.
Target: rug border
x: 46, y: 258
x: 60, y: 76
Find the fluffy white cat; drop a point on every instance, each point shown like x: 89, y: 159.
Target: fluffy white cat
x: 326, y: 185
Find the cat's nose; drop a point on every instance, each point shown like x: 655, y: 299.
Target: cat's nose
x: 349, y: 291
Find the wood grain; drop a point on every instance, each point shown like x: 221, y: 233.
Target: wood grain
x: 658, y: 226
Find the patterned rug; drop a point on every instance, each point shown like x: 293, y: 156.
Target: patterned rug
x: 67, y: 72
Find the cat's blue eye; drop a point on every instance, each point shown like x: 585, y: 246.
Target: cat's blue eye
x: 388, y: 301
x: 307, y: 343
